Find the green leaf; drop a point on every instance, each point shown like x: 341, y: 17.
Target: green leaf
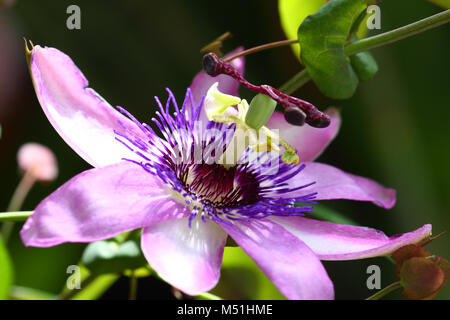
x: 292, y: 13
x: 443, y: 3
x: 322, y: 37
x: 111, y: 256
x: 364, y: 65
x: 6, y: 271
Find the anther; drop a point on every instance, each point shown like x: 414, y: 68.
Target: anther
x: 295, y: 116
x: 212, y: 64
x: 320, y: 121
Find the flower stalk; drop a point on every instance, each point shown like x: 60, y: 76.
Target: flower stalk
x: 262, y: 47
x: 16, y: 202
x: 15, y: 216
x: 133, y: 286
x: 380, y: 294
x: 399, y: 33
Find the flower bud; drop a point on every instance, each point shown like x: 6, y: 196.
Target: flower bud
x: 38, y: 160
x: 260, y: 110
x: 421, y: 274
x: 364, y: 65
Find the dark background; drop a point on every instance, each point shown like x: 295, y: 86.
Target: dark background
x: 396, y: 129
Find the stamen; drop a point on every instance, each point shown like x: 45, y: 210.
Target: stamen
x: 214, y: 66
x: 294, y: 116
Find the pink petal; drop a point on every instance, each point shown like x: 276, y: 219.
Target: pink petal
x: 287, y: 261
x: 187, y: 258
x: 308, y: 141
x: 202, y: 82
x: 99, y: 204
x: 331, y: 241
x: 83, y: 118
x: 333, y: 183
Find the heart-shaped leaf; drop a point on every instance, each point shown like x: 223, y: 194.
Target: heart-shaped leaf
x: 322, y: 37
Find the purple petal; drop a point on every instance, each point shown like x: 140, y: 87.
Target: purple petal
x: 187, y: 258
x: 287, y: 261
x: 202, y: 82
x: 83, y: 118
x: 99, y: 204
x: 308, y: 141
x: 331, y: 241
x: 333, y: 183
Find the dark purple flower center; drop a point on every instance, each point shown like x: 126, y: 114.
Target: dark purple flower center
x: 215, y: 185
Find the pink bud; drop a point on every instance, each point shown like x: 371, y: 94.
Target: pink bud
x: 421, y: 274
x: 422, y: 278
x: 38, y: 160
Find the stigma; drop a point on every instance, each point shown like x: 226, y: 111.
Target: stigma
x: 224, y: 108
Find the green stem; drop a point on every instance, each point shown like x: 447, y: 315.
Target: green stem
x: 23, y: 188
x: 208, y: 296
x: 97, y: 287
x: 385, y: 291
x: 297, y: 81
x: 261, y: 48
x: 15, y: 216
x: 133, y: 286
x: 324, y: 213
x: 399, y: 33
x: 16, y: 202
